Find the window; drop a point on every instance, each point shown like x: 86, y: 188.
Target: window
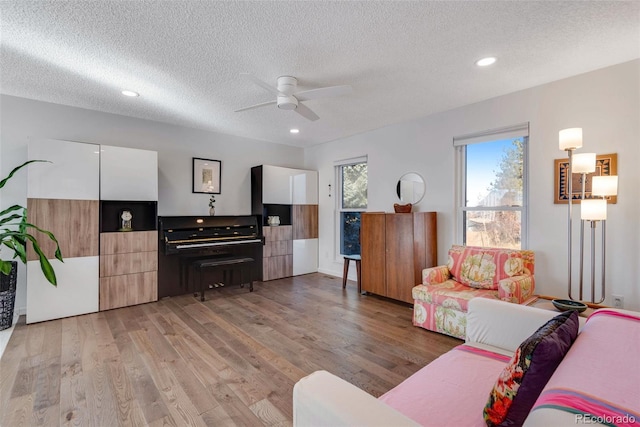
x: 352, y: 201
x: 492, y: 193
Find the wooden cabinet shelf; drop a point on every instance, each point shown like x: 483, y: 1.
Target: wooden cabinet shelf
x: 145, y: 215
x: 395, y: 248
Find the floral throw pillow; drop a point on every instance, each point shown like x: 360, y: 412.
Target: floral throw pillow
x: 526, y: 374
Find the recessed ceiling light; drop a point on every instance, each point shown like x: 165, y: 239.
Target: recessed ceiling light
x: 485, y: 61
x: 294, y: 130
x: 130, y: 93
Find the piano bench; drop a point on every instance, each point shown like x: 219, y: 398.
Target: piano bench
x: 226, y: 263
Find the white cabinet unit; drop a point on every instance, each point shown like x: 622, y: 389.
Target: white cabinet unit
x: 128, y: 260
x: 292, y: 195
x: 66, y: 196
x: 63, y: 198
x: 128, y: 174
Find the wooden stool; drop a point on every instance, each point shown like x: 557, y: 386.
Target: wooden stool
x: 348, y: 258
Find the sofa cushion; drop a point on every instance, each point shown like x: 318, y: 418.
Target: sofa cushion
x: 483, y: 268
x: 450, y: 391
x: 450, y: 294
x: 533, y: 363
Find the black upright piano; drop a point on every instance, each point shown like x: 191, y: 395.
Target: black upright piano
x: 185, y: 239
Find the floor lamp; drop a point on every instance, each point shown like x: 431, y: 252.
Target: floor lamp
x: 591, y: 210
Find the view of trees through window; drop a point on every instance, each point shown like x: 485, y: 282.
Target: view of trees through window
x: 353, y: 202
x: 492, y: 214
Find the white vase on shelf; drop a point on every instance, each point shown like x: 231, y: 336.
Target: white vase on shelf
x: 212, y: 210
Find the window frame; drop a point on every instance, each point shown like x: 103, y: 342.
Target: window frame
x: 460, y: 144
x: 338, y: 165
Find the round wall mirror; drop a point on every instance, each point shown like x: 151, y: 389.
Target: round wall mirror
x: 410, y: 188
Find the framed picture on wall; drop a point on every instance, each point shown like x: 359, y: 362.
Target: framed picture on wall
x: 206, y: 175
x: 606, y: 164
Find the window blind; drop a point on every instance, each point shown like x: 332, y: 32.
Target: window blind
x: 508, y: 132
x: 351, y: 161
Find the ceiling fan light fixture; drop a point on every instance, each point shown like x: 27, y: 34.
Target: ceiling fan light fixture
x: 289, y: 98
x: 287, y: 85
x: 294, y: 131
x: 130, y: 93
x: 484, y: 62
x: 287, y: 102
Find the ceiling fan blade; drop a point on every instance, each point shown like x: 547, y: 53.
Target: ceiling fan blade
x: 263, y: 104
x: 324, y: 92
x: 305, y: 112
x: 260, y: 83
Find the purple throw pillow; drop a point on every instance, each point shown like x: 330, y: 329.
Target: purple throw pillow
x: 530, y: 368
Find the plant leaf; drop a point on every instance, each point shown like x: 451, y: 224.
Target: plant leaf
x: 4, y: 221
x: 58, y: 253
x: 5, y: 267
x: 45, y: 265
x: 19, y: 249
x: 10, y: 209
x: 4, y: 181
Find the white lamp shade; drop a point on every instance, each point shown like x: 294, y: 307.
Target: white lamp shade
x: 570, y: 139
x: 593, y: 210
x: 604, y: 185
x: 584, y: 163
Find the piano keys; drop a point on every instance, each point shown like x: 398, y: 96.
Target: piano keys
x: 186, y: 239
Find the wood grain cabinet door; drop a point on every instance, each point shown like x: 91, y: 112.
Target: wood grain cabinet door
x: 305, y: 221
x: 399, y: 256
x: 372, y: 248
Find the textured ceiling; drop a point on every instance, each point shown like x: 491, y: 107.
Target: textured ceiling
x: 404, y: 59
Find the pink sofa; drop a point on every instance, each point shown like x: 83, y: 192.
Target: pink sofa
x: 440, y: 302
x: 596, y: 383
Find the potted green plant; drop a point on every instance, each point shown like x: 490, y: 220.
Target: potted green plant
x: 15, y: 234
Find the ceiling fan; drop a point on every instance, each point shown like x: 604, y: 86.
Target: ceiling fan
x: 287, y: 98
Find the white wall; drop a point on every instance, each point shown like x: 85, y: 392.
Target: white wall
x: 605, y: 103
x: 21, y: 119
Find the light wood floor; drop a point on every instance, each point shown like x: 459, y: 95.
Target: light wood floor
x: 232, y: 360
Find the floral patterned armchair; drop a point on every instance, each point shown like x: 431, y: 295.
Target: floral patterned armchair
x: 440, y: 302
